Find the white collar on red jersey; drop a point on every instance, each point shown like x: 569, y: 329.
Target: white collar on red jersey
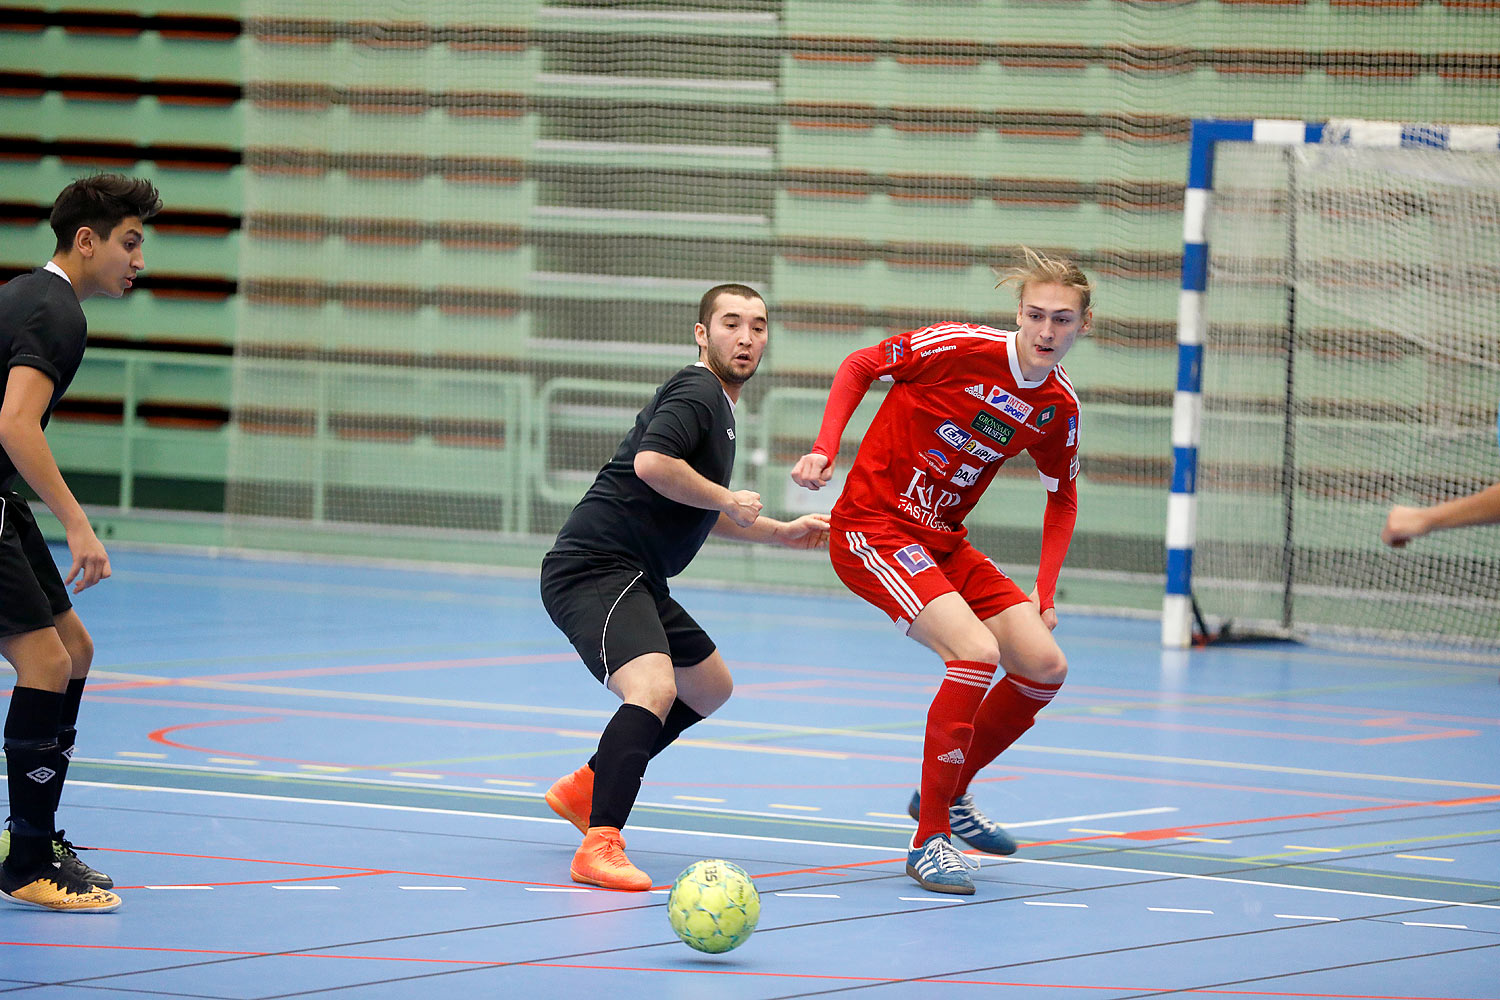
x: 1022, y: 382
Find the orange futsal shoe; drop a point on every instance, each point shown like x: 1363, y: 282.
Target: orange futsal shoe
x: 601, y: 861
x: 52, y: 887
x: 572, y: 797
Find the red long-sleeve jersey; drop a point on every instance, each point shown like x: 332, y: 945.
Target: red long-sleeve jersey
x: 958, y: 408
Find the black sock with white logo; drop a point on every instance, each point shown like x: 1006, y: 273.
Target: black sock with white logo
x: 31, y: 775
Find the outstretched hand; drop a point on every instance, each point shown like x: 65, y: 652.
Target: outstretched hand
x: 812, y: 471
x: 1403, y: 524
x: 810, y: 531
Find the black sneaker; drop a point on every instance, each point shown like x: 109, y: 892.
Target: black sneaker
x: 66, y: 853
x: 49, y: 886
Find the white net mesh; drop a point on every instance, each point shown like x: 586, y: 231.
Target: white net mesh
x: 1352, y: 362
x: 475, y: 233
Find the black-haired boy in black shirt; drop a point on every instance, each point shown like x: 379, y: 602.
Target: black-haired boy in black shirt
x: 100, y: 226
x: 604, y: 583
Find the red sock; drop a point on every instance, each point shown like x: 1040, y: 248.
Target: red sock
x: 1007, y: 711
x: 950, y: 727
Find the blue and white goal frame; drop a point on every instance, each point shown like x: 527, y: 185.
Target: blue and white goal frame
x: 1187, y: 403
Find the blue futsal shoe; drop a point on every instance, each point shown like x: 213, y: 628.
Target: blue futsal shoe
x: 938, y: 866
x: 970, y: 825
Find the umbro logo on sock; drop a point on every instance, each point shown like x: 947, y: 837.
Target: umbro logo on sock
x: 42, y: 775
x: 68, y: 753
x: 954, y: 756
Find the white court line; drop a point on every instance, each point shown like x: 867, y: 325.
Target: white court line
x: 1012, y: 860
x: 165, y: 888
x: 809, y: 895
x: 1421, y: 857
x: 924, y: 899
x: 1449, y: 927
x: 1173, y: 909
x: 433, y: 888
x: 559, y: 888
x: 425, y: 775
x: 1303, y: 916
x: 783, y: 805
x: 1092, y: 816
x: 1040, y: 902
x: 234, y: 760
x: 306, y: 888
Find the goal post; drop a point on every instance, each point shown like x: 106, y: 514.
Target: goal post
x: 1339, y: 285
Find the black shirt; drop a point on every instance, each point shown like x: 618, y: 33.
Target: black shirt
x: 689, y: 418
x: 42, y: 327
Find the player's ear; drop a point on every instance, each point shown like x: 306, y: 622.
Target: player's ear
x: 700, y: 334
x: 84, y: 241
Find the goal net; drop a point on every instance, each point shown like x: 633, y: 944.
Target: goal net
x: 1351, y: 362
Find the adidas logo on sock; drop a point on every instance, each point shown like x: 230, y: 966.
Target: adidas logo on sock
x: 42, y: 775
x: 954, y: 756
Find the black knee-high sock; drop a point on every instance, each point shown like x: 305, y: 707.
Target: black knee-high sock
x: 679, y: 718
x: 67, y: 734
x: 624, y: 748
x: 31, y: 725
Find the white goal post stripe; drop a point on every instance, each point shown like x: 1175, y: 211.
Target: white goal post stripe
x: 1206, y: 134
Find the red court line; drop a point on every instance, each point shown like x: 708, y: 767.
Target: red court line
x: 701, y: 971
x: 347, y: 872
x: 411, y: 720
x: 1163, y: 833
x: 367, y: 668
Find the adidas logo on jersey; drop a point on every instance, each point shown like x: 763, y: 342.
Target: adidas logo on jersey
x: 977, y: 391
x: 954, y: 756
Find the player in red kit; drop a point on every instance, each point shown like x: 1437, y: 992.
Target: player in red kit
x: 964, y: 398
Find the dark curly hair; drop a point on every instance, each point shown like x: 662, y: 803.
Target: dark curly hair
x: 101, y: 202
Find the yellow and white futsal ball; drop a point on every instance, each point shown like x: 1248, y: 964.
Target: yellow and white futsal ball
x: 713, y: 906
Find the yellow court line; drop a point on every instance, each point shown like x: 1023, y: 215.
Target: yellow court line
x: 1235, y: 765
x: 1271, y: 862
x: 367, y: 696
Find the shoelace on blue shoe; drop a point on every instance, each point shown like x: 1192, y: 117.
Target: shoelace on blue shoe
x: 949, y: 858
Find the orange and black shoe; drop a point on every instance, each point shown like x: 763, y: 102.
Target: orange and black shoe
x: 572, y: 797
x: 50, y: 886
x: 601, y: 861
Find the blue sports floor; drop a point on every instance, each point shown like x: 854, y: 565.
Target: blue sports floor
x: 325, y: 779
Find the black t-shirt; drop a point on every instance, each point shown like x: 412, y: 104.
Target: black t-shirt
x: 42, y: 327
x: 689, y: 418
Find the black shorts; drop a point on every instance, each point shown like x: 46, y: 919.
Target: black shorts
x: 611, y: 616
x: 31, y: 589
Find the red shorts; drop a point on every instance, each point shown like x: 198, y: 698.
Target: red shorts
x: 900, y: 577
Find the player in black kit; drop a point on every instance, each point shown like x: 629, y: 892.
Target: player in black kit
x: 604, y: 583
x: 100, y: 226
